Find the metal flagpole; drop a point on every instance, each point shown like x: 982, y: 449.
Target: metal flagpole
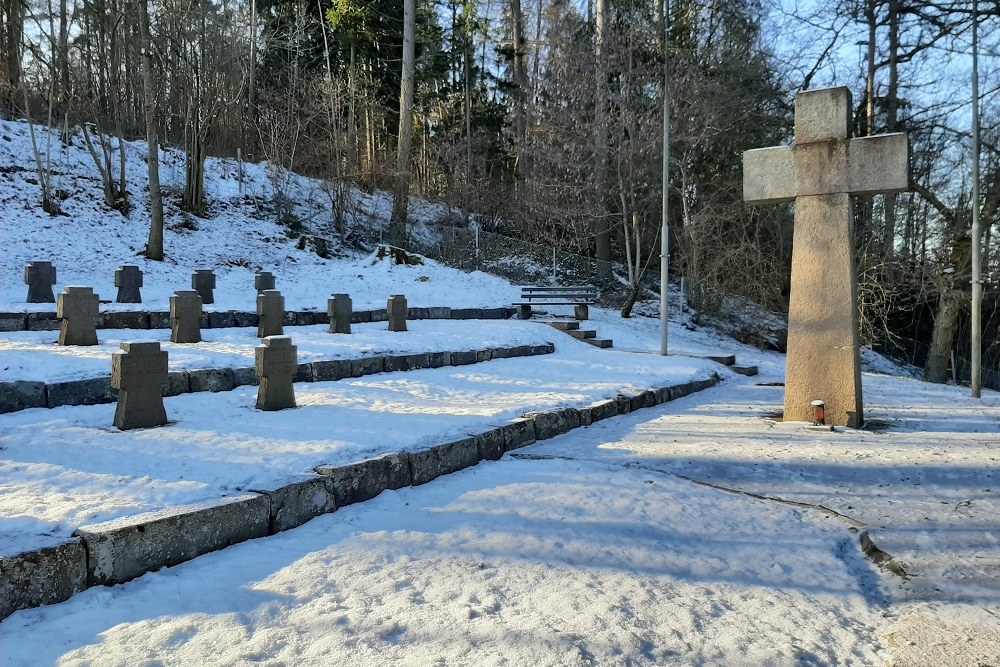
x: 977, y: 253
x: 665, y: 224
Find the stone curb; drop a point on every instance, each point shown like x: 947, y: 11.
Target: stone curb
x: 223, y: 319
x: 120, y: 550
x: 24, y: 394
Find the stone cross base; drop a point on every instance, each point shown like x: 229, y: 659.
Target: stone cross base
x: 823, y: 354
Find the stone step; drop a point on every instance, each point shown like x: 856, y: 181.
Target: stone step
x: 564, y: 325
x: 724, y: 359
x: 580, y: 334
x: 744, y: 370
x: 598, y: 342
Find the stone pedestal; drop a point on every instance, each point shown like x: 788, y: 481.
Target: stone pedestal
x: 264, y: 280
x: 203, y: 281
x: 524, y: 311
x: 397, y: 310
x: 139, y: 373
x: 581, y: 311
x: 340, y: 309
x: 128, y: 280
x: 40, y: 277
x: 277, y: 361
x: 270, y: 313
x: 185, y: 317
x: 78, y: 308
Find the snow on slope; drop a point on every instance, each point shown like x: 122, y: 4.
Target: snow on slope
x: 240, y: 237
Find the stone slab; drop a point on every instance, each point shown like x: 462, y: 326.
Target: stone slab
x: 518, y: 433
x: 80, y: 392
x: 466, y: 313
x: 439, y: 313
x: 327, y: 371
x: 484, y: 355
x: 463, y: 358
x: 221, y: 319
x: 246, y: 319
x: 645, y: 399
x: 361, y: 316
x: 123, y: 320
x: 13, y: 321
x: 438, y: 359
x: 123, y: 549
x: 429, y: 464
x: 45, y: 576
x: 363, y: 480
x: 417, y: 314
x: 159, y: 319
x: 367, y: 366
x: 378, y: 315
x: 296, y: 503
x: 212, y: 379
x: 43, y: 322
x: 21, y: 395
x: 178, y: 382
x: 245, y: 376
x: 555, y: 422
x: 604, y: 410
x: 490, y: 444
x: 305, y: 318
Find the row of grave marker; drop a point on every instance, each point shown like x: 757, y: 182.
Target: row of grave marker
x: 139, y: 373
x: 78, y: 308
x: 41, y: 277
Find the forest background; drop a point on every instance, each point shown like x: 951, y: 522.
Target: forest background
x: 540, y: 121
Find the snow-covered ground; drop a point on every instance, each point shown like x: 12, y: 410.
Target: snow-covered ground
x: 519, y: 562
x: 33, y: 355
x: 64, y: 467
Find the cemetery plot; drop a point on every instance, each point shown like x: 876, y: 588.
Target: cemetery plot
x: 67, y: 466
x: 32, y: 355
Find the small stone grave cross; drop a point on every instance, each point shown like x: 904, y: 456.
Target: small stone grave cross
x: 340, y: 309
x: 185, y: 317
x: 78, y: 308
x: 819, y: 172
x: 397, y: 311
x: 203, y: 280
x: 270, y: 313
x: 128, y: 280
x: 277, y: 362
x: 40, y: 277
x: 264, y: 280
x: 139, y: 373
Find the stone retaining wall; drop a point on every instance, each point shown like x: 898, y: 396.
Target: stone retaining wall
x: 141, y: 319
x: 24, y: 394
x: 117, y: 551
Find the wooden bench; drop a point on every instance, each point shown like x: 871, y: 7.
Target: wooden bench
x: 580, y: 297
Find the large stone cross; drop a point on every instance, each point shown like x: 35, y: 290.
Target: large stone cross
x: 819, y: 172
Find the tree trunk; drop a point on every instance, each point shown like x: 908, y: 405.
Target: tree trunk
x: 154, y: 246
x: 400, y: 199
x: 891, y: 120
x: 602, y: 234
x: 520, y: 82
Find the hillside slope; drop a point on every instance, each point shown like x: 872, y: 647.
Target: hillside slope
x: 239, y: 236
